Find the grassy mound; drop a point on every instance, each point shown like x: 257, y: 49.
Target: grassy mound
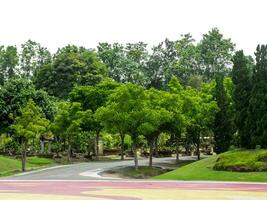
x: 243, y: 161
x: 203, y: 170
x: 9, y: 166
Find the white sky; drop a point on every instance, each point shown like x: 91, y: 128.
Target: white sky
x: 55, y: 23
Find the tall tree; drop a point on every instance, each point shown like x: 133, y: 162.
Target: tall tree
x: 29, y: 125
x: 215, y: 54
x: 71, y: 66
x: 124, y: 62
x: 241, y: 75
x: 257, y: 111
x: 32, y: 57
x: 222, y: 124
x: 8, y: 63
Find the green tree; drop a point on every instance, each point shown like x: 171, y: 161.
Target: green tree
x: 93, y: 97
x: 257, y: 111
x: 33, y: 56
x: 29, y: 125
x: 241, y: 76
x: 8, y: 63
x: 215, y: 54
x: 68, y: 123
x: 222, y: 126
x: 125, y: 63
x: 124, y: 113
x: 71, y: 66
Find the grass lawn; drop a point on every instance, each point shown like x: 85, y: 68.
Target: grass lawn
x: 9, y: 166
x: 202, y: 170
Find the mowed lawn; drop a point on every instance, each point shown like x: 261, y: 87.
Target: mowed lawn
x: 202, y: 170
x: 10, y: 166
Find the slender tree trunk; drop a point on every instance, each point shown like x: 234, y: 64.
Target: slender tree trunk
x: 135, y: 156
x: 42, y: 146
x: 122, y: 146
x: 177, y: 150
x: 156, y: 147
x: 23, y: 156
x: 97, y: 145
x: 198, y: 150
x: 69, y: 153
x: 151, y: 150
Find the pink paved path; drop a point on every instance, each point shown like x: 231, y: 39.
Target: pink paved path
x: 130, y: 190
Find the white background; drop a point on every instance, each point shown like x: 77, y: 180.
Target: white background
x: 55, y: 23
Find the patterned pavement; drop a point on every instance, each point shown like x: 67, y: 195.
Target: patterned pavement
x: 130, y: 190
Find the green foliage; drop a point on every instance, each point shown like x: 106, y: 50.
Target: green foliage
x: 203, y: 170
x: 8, y: 63
x: 239, y: 160
x: 14, y: 95
x: 31, y: 123
x: 256, y: 123
x: 215, y: 54
x: 71, y: 65
x: 33, y: 56
x: 241, y: 75
x: 222, y: 126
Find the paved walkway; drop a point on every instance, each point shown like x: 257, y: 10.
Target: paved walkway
x: 130, y: 190
x: 86, y: 171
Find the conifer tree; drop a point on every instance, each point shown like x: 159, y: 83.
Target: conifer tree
x: 241, y: 78
x: 222, y: 123
x: 257, y: 110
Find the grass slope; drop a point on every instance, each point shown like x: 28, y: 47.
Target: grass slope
x: 10, y: 166
x: 202, y: 170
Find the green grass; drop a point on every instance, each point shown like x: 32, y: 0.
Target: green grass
x: 242, y: 160
x: 39, y: 161
x: 203, y: 170
x: 9, y: 166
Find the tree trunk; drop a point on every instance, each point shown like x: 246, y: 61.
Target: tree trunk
x: 122, y: 146
x: 177, y: 150
x: 69, y: 153
x: 23, y: 156
x: 198, y: 150
x: 42, y: 146
x: 135, y: 156
x: 49, y: 147
x: 97, y: 145
x: 156, y: 147
x: 151, y: 150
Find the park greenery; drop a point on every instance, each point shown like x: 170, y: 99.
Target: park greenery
x: 182, y: 96
x: 235, y: 165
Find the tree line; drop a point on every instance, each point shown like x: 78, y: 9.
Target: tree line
x: 187, y: 91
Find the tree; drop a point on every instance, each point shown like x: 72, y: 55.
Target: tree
x: 222, y: 125
x: 15, y: 94
x: 68, y: 122
x: 155, y: 117
x: 8, y: 63
x: 33, y: 56
x: 199, y: 111
x: 124, y: 113
x: 161, y: 64
x: 241, y: 76
x: 215, y: 54
x: 125, y: 63
x: 93, y: 97
x: 29, y: 125
x: 71, y: 66
x: 257, y: 118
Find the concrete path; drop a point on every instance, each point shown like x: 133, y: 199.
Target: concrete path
x: 85, y: 171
